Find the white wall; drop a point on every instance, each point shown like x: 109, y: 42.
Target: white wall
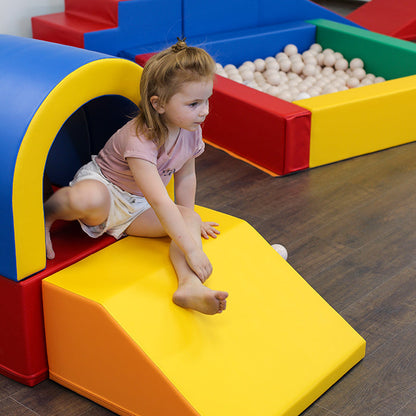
x: 15, y: 14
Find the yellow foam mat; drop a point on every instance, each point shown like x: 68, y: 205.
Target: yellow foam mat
x: 114, y: 335
x: 361, y: 120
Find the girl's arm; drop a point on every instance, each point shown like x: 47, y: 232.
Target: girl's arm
x: 185, y: 185
x: 185, y: 190
x: 148, y: 180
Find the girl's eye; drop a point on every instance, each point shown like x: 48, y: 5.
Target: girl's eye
x: 193, y: 104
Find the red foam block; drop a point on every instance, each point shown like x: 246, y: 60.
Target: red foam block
x: 22, y: 341
x: 267, y: 132
x: 394, y: 18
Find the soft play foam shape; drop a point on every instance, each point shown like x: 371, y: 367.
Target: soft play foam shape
x: 114, y: 335
x: 394, y: 18
x: 114, y: 26
x: 202, y: 18
x: 22, y: 344
x: 366, y: 119
x: 42, y: 84
x: 109, y: 26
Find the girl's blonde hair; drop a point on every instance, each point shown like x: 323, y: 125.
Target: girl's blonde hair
x: 163, y: 76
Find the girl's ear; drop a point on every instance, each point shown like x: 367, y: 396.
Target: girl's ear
x: 154, y: 100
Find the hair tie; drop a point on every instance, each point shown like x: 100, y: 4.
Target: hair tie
x: 180, y: 45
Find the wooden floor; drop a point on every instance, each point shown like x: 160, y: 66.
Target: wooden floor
x: 350, y: 229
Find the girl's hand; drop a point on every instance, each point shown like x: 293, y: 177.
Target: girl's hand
x: 208, y: 229
x: 199, y: 263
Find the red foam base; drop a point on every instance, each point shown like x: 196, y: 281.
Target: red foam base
x: 394, y: 18
x: 22, y: 343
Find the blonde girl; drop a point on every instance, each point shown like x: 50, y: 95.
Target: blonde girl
x: 122, y: 191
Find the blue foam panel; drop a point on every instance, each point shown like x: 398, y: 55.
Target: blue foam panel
x: 139, y: 22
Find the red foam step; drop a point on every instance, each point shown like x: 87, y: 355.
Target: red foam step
x: 22, y: 341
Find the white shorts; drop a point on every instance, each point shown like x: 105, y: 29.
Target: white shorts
x: 125, y: 207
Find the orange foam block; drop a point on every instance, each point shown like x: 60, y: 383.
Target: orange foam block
x: 114, y: 335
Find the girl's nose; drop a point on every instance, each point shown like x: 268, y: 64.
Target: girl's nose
x: 205, y: 109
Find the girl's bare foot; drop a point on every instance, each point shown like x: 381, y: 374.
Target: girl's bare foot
x: 194, y: 295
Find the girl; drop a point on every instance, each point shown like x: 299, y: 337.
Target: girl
x: 122, y: 191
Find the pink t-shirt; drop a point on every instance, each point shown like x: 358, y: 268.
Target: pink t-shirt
x: 126, y: 143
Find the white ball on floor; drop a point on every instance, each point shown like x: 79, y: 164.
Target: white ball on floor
x: 281, y: 250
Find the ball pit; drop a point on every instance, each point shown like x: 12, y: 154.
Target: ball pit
x: 292, y: 76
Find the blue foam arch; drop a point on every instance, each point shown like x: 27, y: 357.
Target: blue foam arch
x: 30, y: 69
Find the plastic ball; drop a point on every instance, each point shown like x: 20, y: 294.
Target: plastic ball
x: 341, y: 64
x: 309, y: 70
x: 285, y: 95
x: 352, y: 82
x: 315, y: 47
x: 302, y: 96
x: 260, y: 64
x: 377, y: 80
x: 285, y: 65
x: 329, y: 59
x: 297, y: 67
x: 281, y: 250
x: 290, y: 49
x: 358, y: 73
x: 356, y: 63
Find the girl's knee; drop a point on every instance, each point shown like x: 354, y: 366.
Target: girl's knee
x: 86, y: 196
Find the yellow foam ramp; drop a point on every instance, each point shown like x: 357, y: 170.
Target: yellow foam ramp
x: 114, y: 335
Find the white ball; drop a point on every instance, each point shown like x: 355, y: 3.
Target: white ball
x: 302, y: 96
x: 352, y: 82
x: 272, y: 64
x: 320, y: 58
x: 236, y: 78
x: 247, y: 75
x: 327, y: 71
x: 366, y: 81
x: 297, y: 67
x: 281, y: 55
x: 310, y: 60
x: 285, y: 65
x: 314, y: 92
x: 260, y: 64
x: 249, y: 65
x: 358, y: 73
x: 377, y: 80
x: 316, y: 47
x: 285, y: 95
x: 341, y: 64
x: 309, y: 70
x: 329, y: 59
x: 230, y: 68
x: 281, y: 250
x: 274, y: 79
x: 356, y: 63
x: 290, y: 49
x: 329, y: 89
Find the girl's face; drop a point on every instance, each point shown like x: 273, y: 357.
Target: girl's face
x: 187, y: 108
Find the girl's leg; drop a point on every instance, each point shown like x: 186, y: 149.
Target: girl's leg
x: 191, y: 292
x: 87, y: 200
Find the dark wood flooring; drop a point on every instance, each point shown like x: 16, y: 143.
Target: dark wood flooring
x: 350, y: 229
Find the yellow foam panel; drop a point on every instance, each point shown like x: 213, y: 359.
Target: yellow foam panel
x: 361, y: 120
x: 110, y: 76
x: 114, y: 335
